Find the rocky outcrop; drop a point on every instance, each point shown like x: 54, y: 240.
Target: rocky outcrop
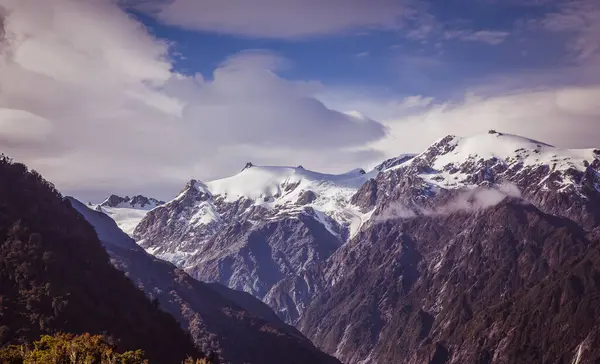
x: 306, y: 198
x: 393, y: 162
x: 138, y: 201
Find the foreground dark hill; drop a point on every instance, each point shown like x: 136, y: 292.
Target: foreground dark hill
x: 238, y: 326
x: 55, y: 276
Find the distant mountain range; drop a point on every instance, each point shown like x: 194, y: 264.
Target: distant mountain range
x: 482, y: 249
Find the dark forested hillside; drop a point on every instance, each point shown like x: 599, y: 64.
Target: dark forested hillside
x: 55, y: 276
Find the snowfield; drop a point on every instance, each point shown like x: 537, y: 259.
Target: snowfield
x: 127, y: 218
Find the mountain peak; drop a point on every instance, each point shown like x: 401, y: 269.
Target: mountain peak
x: 393, y: 162
x: 195, y: 186
x: 248, y: 165
x: 135, y: 202
x: 259, y: 182
x: 113, y: 201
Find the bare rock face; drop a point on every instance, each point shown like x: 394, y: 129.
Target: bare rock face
x: 265, y: 254
x: 366, y: 197
x: 306, y: 198
x: 244, y: 248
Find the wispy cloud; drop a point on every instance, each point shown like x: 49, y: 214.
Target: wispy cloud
x: 426, y: 27
x: 471, y: 200
x: 416, y: 101
x: 581, y: 19
x: 484, y: 36
x: 281, y: 18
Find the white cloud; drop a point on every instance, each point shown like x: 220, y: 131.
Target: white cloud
x: 246, y: 103
x: 281, y: 18
x: 566, y: 117
x: 88, y: 98
x: 121, y: 48
x: 469, y: 200
x: 478, y: 199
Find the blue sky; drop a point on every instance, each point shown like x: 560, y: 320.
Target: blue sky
x: 139, y: 96
x: 393, y: 61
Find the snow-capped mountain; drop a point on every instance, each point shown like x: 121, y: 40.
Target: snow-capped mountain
x: 260, y: 230
x: 455, y: 159
x: 250, y: 230
x: 445, y: 178
x: 392, y: 162
x: 560, y: 181
x: 127, y: 211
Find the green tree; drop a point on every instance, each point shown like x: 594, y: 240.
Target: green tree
x: 70, y: 349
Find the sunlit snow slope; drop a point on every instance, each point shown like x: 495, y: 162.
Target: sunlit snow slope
x: 127, y: 212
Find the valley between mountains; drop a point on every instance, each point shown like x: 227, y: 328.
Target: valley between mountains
x: 481, y: 249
